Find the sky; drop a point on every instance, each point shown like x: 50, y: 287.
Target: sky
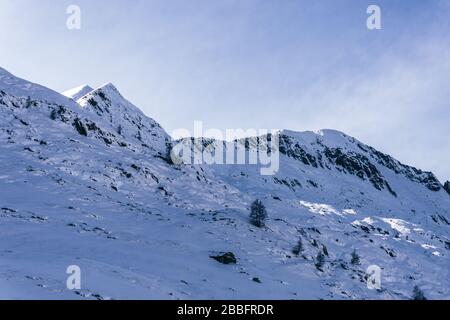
x: 261, y: 64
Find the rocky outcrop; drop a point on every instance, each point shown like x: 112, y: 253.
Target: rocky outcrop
x: 226, y: 258
x: 447, y: 187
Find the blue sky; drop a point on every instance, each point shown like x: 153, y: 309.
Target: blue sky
x: 300, y: 65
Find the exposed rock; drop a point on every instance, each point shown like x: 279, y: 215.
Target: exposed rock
x: 256, y: 280
x: 226, y: 258
x: 79, y: 126
x: 447, y: 187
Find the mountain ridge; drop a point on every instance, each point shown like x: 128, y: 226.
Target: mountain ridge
x: 78, y: 92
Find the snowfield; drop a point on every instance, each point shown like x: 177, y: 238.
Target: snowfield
x: 85, y: 180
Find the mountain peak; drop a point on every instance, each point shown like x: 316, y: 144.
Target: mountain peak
x: 108, y: 85
x: 78, y: 92
x: 108, y: 90
x: 332, y: 137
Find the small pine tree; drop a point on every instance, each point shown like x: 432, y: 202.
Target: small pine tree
x: 298, y: 248
x: 320, y: 261
x: 355, y: 258
x: 258, y: 214
x: 418, y: 294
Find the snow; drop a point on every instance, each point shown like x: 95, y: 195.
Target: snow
x: 398, y: 224
x: 322, y: 209
x: 78, y: 92
x: 142, y: 228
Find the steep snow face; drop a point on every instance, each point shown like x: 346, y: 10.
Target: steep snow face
x: 128, y: 121
x: 89, y: 184
x: 78, y: 92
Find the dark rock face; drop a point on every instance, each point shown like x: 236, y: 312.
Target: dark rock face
x: 226, y: 258
x: 447, y: 245
x: 79, y: 126
x: 347, y: 162
x: 428, y: 179
x: 447, y: 187
x: 362, y: 164
x: 359, y: 165
x: 293, y: 150
x: 440, y: 219
x: 60, y: 114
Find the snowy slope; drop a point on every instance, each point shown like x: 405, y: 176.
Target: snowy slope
x: 90, y: 184
x: 22, y: 88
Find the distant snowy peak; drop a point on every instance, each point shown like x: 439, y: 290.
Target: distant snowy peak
x: 324, y: 136
x: 78, y: 92
x: 107, y: 100
x: 331, y: 148
x: 102, y: 113
x: 125, y: 118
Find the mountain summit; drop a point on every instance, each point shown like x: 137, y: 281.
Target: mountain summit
x: 78, y: 92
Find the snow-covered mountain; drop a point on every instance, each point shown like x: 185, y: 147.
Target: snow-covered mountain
x: 78, y: 92
x: 86, y: 180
